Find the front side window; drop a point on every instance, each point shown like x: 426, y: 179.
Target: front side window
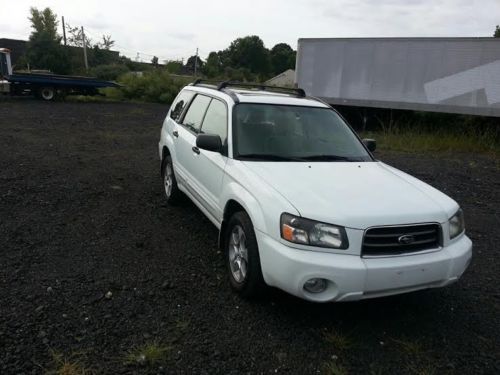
x: 215, y: 121
x: 292, y: 133
x: 179, y: 105
x: 196, y: 112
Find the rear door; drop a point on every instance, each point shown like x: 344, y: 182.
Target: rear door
x: 171, y: 130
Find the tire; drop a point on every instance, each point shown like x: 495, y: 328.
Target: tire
x: 172, y: 193
x: 47, y: 93
x: 242, y: 256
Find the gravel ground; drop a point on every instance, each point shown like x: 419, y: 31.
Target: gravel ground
x: 95, y: 265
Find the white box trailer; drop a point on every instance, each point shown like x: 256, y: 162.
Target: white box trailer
x: 454, y: 75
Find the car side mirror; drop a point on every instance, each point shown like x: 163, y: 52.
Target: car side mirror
x: 371, y: 144
x: 209, y: 142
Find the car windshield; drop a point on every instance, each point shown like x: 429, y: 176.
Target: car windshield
x: 267, y: 132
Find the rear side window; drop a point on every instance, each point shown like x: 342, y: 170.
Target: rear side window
x: 215, y: 121
x: 196, y: 112
x: 179, y: 105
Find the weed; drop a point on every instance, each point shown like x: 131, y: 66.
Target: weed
x: 68, y: 365
x: 338, y: 340
x: 333, y: 368
x: 182, y: 325
x: 412, y: 348
x: 149, y: 354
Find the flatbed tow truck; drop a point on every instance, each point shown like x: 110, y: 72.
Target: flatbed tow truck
x: 45, y: 86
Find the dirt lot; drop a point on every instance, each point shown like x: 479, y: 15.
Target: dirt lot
x: 82, y: 214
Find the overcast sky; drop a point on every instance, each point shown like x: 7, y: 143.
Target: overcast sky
x: 173, y: 29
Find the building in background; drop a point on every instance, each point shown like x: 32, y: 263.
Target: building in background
x: 17, y: 48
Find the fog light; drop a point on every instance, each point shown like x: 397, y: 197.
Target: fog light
x: 315, y: 285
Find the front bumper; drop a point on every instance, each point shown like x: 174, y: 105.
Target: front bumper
x: 351, y: 277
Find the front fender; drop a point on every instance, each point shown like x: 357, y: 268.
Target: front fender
x: 237, y: 193
x: 262, y: 202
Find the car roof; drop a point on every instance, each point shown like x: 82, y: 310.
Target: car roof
x: 258, y: 96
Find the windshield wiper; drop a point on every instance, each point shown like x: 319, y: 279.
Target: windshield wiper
x: 326, y: 157
x: 270, y: 157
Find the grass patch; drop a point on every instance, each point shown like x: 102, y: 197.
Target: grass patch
x: 412, y: 140
x: 149, y: 354
x: 338, y: 341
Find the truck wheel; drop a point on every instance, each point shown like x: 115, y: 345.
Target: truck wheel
x: 172, y: 192
x: 47, y: 93
x: 242, y: 256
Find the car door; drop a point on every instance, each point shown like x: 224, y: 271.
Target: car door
x: 186, y: 142
x: 173, y: 120
x: 209, y: 166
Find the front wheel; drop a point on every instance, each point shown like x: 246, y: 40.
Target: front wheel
x: 242, y: 256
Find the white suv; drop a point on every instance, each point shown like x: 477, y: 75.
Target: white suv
x: 300, y: 202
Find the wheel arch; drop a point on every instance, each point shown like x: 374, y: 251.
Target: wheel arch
x: 164, y: 153
x: 241, y: 201
x: 232, y: 206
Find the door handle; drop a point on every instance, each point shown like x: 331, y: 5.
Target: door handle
x: 175, y: 133
x: 196, y: 150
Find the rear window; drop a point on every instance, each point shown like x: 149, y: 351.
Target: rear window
x: 180, y: 104
x: 196, y: 112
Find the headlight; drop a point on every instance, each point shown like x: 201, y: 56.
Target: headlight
x: 313, y: 233
x: 457, y: 225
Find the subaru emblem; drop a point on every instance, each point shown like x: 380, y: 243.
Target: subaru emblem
x: 406, y: 239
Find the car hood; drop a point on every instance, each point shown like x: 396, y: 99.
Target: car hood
x: 355, y: 195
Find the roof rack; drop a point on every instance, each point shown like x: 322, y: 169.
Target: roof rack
x: 287, y: 90
x: 205, y: 82
x: 222, y: 86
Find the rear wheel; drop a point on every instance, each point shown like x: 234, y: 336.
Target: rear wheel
x: 172, y: 192
x: 242, y: 256
x: 47, y: 93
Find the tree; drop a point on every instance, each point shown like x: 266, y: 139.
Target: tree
x: 44, y: 50
x: 189, y: 67
x: 213, y: 67
x: 282, y: 58
x: 154, y: 61
x: 106, y: 42
x: 497, y: 32
x: 75, y: 37
x: 250, y: 53
x: 174, y: 67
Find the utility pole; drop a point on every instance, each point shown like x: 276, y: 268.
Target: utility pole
x: 196, y: 62
x: 64, y: 30
x: 85, y: 50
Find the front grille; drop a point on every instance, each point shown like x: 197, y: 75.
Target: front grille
x: 401, y: 239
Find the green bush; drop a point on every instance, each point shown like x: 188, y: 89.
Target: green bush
x: 109, y: 72
x: 152, y: 86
